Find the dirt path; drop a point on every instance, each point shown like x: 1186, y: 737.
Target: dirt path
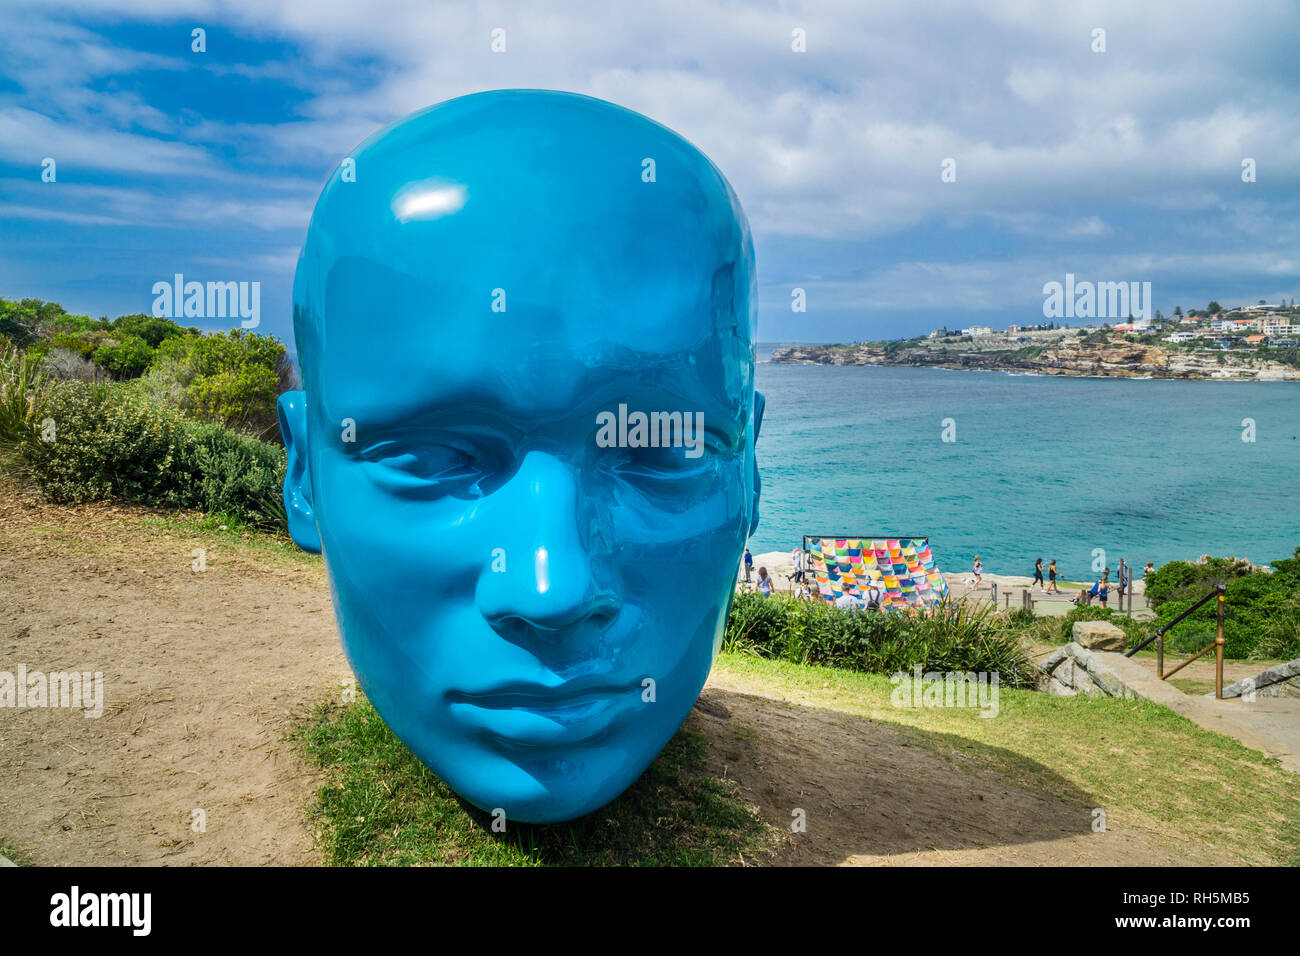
x: 204, y: 674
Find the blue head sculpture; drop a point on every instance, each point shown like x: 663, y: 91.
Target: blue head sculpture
x: 525, y: 446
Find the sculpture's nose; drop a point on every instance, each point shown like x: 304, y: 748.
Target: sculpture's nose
x: 539, y: 585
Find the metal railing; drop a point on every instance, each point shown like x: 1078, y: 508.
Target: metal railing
x: 1219, y: 592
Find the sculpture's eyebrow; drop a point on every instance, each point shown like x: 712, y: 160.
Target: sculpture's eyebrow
x: 507, y: 398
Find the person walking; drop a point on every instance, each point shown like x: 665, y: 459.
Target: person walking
x: 1102, y: 591
x: 796, y: 558
x: 1052, y: 586
x: 749, y: 564
x: 764, y: 583
x: 1038, y: 575
x: 978, y: 571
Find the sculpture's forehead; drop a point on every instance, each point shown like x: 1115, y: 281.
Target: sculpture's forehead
x: 517, y: 234
x: 402, y: 343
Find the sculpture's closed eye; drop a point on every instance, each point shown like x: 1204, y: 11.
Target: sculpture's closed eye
x: 432, y: 469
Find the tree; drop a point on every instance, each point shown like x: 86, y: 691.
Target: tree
x: 1213, y: 307
x: 1178, y: 311
x: 232, y: 378
x: 126, y: 357
x: 150, y: 328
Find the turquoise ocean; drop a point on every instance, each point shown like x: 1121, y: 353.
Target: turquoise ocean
x: 1041, y: 466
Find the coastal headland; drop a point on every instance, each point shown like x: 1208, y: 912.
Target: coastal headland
x: 1060, y: 352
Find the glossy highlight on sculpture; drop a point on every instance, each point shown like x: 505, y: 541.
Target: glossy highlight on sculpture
x: 496, y: 282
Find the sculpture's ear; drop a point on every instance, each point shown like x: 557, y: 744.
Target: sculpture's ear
x: 292, y: 410
x: 759, y: 403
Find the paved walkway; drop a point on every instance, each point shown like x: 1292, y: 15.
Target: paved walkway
x: 1011, y: 588
x: 1269, y: 724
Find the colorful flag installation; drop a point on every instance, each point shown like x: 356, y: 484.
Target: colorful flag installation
x: 902, y: 568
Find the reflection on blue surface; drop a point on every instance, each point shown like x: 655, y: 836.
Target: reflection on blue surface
x: 497, y: 316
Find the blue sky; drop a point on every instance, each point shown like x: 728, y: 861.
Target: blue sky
x: 1116, y: 165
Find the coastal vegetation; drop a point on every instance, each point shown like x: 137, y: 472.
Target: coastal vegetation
x: 958, y: 637
x: 140, y: 410
x: 231, y: 378
x: 1261, y: 612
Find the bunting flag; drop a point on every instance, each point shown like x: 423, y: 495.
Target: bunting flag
x: 903, y: 568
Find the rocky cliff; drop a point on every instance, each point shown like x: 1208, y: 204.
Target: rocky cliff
x: 1116, y: 357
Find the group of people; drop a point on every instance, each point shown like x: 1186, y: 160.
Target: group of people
x: 1050, y: 586
x: 1100, y: 590
x: 764, y: 584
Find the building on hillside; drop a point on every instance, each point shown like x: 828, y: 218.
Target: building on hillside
x: 1256, y: 340
x: 1282, y: 343
x: 1181, y: 337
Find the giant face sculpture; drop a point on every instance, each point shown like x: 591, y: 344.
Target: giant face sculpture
x: 525, y: 322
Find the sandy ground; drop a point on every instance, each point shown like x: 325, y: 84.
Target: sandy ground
x: 205, y: 672
x: 874, y: 794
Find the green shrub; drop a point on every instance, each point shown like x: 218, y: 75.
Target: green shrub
x: 231, y: 378
x: 1280, y: 639
x: 1186, y: 580
x: 234, y: 475
x: 956, y: 637
x: 150, y: 328
x: 107, y: 447
x: 1260, y: 606
x: 126, y: 356
x: 111, y: 443
x: 24, y: 394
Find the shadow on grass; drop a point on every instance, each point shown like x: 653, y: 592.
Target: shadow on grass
x: 723, y: 792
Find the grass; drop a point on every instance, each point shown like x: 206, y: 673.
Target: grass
x: 14, y: 854
x: 1147, y: 766
x: 103, y: 528
x: 379, y: 806
x: 1195, y: 686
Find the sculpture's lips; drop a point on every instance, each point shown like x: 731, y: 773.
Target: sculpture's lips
x: 538, y: 714
x: 539, y: 698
